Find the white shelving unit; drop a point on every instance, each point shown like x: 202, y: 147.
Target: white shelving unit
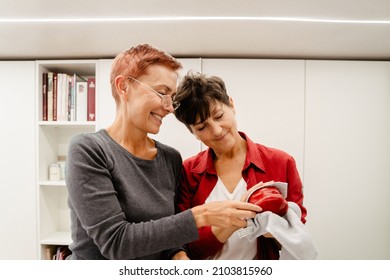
x: 52, y: 143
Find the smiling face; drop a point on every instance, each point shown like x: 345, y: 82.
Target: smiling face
x: 219, y: 130
x: 143, y: 107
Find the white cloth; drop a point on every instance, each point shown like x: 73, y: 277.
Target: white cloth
x: 288, y: 230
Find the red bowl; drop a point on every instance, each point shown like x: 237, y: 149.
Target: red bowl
x: 269, y: 199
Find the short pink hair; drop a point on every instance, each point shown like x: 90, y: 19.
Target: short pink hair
x: 135, y: 61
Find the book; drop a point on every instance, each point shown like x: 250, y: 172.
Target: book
x: 71, y: 110
x: 61, y: 92
x: 63, y: 97
x: 81, y: 101
x: 44, y: 96
x: 73, y: 97
x: 55, y: 97
x: 50, y: 96
x: 62, y: 253
x: 91, y: 99
x: 59, y: 97
x: 49, y: 252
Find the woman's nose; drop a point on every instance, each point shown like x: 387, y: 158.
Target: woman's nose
x: 216, y: 129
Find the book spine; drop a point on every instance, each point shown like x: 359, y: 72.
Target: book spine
x: 55, y: 88
x: 65, y: 97
x: 50, y: 96
x: 69, y: 108
x: 72, y: 98
x: 91, y: 99
x: 81, y: 101
x: 44, y: 96
x: 62, y: 97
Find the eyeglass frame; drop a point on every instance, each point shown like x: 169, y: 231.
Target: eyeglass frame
x: 166, y: 100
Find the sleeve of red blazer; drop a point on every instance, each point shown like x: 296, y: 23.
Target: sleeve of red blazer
x: 295, y: 188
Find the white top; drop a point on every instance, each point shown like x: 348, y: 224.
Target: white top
x: 235, y: 248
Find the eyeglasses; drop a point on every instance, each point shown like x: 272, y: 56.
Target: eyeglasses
x: 166, y: 100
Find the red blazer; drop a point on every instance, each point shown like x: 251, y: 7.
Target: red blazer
x: 261, y: 164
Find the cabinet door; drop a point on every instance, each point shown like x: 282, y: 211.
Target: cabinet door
x: 18, y: 238
x: 269, y: 99
x: 347, y: 158
x: 172, y: 132
x: 105, y: 104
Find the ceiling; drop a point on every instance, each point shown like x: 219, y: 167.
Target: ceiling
x: 310, y: 29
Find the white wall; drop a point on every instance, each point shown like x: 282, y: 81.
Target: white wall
x: 18, y: 234
x: 347, y: 158
x: 334, y: 118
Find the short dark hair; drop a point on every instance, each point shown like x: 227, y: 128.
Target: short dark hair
x: 196, y: 93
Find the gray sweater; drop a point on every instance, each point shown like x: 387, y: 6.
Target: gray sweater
x: 123, y: 207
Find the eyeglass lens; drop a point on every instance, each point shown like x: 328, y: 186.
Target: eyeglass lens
x: 166, y: 100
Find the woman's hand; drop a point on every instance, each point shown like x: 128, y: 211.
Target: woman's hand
x: 260, y: 184
x: 181, y: 255
x: 224, y: 214
x: 223, y: 234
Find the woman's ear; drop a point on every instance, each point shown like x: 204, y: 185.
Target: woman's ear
x: 121, y: 86
x: 231, y: 104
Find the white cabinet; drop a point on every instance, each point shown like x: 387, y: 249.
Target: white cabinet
x: 105, y: 104
x: 347, y: 158
x: 17, y: 149
x: 334, y: 118
x: 52, y: 145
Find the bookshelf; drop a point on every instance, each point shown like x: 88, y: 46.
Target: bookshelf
x: 52, y: 145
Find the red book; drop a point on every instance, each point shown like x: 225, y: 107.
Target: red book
x: 91, y: 100
x: 44, y: 96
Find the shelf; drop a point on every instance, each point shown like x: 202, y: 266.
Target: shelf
x: 82, y: 67
x: 53, y: 183
x: 67, y: 124
x: 58, y: 238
